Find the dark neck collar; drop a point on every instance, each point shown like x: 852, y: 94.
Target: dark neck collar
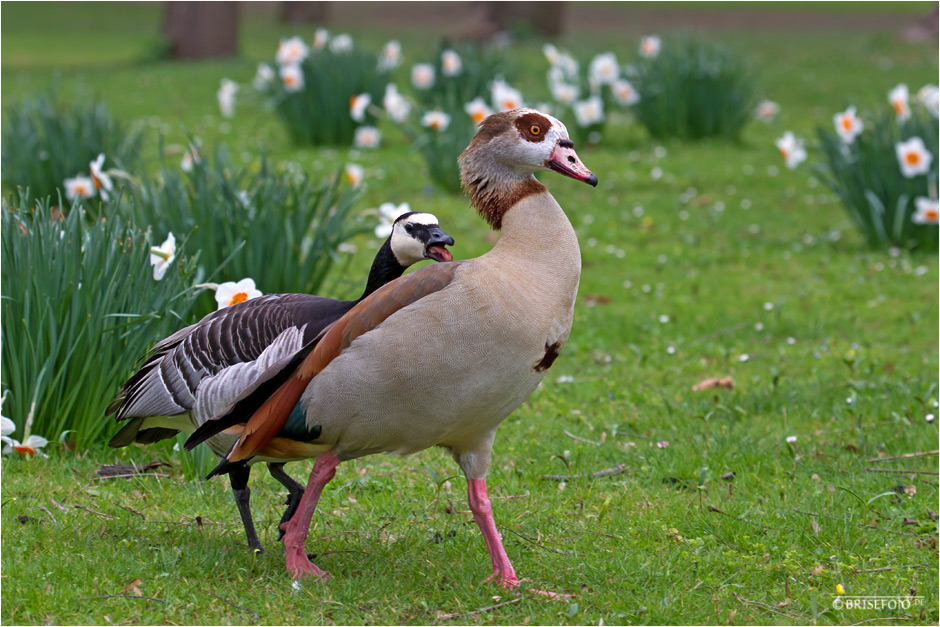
x: 385, y: 268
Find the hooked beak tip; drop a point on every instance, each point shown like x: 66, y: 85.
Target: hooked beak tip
x: 591, y: 180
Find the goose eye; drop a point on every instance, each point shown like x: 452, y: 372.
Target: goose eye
x: 409, y: 228
x: 535, y: 129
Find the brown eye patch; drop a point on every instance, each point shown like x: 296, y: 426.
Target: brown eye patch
x: 533, y: 126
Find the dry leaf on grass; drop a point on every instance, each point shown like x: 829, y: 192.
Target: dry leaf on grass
x: 717, y: 382
x: 133, y: 587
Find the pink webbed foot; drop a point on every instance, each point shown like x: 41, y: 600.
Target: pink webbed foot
x: 298, y: 564
x: 507, y: 580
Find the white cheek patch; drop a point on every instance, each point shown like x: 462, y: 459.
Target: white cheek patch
x: 407, y: 249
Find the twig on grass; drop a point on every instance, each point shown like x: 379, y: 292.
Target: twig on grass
x: 131, y: 509
x: 904, y: 456
x: 134, y: 475
x: 872, y: 620
x: 479, y: 611
x: 766, y: 606
x: 123, y: 596
x: 541, y: 546
x: 887, y: 568
x: 902, y: 472
x: 59, y: 505
x: 95, y: 512
x: 54, y: 521
x: 580, y: 439
x: 607, y: 472
x: 244, y: 609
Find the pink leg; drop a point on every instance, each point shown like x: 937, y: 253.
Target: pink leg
x: 296, y: 530
x: 483, y: 514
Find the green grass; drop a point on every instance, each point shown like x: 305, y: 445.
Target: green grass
x: 644, y: 546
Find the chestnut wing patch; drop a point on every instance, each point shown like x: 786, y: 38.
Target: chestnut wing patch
x: 551, y: 354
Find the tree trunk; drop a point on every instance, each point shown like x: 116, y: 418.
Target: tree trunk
x: 314, y: 12
x: 199, y: 30
x: 546, y: 18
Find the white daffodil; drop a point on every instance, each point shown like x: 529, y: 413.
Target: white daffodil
x: 341, y: 44
x: 422, y: 75
x: 435, y: 120
x: 354, y: 173
x: 624, y: 92
x: 928, y: 211
x: 391, y: 56
x: 100, y: 178
x: 292, y: 51
x: 913, y: 157
x: 590, y: 111
x: 451, y: 64
x: 162, y: 256
x: 292, y: 76
x: 358, y: 105
x: 899, y: 97
x: 190, y: 158
x: 231, y: 293
x: 30, y: 446
x: 791, y: 149
x: 848, y: 125
x: 388, y: 213
x: 263, y: 77
x: 929, y: 96
x: 766, y: 110
x: 395, y: 104
x: 650, y: 46
x: 505, y: 97
x: 226, y: 97
x: 604, y: 68
x: 367, y: 137
x: 565, y: 93
x: 478, y: 110
x: 551, y: 54
x: 320, y: 38
x: 346, y: 247
x: 80, y: 187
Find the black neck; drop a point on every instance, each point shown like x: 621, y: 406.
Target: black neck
x: 385, y: 268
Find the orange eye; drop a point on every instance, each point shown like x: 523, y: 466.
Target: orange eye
x: 535, y: 129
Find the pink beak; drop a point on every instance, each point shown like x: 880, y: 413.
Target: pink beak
x: 565, y: 160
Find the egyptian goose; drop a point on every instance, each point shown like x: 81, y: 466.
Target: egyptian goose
x: 441, y: 356
x: 198, y: 371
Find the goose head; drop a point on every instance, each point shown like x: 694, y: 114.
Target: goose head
x: 416, y: 236
x: 508, y: 149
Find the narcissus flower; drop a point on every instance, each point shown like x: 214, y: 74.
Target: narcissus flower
x: 436, y: 120
x: 395, y: 104
x: 624, y: 92
x: 848, y: 125
x: 80, y: 187
x: 263, y: 77
x: 604, y: 69
x: 320, y: 38
x: 422, y: 75
x: 478, y: 110
x: 30, y: 446
x: 190, y: 158
x: 590, y: 111
x: 388, y: 213
x: 650, y: 46
x: 292, y: 76
x: 231, y: 293
x: 358, y: 105
x: 899, y: 98
x: 162, y: 256
x: 451, y: 64
x: 292, y: 51
x: 927, y: 211
x: 766, y: 110
x: 505, y: 97
x: 341, y: 44
x: 367, y: 137
x: 791, y: 149
x: 226, y: 97
x: 913, y: 157
x: 929, y: 96
x: 353, y: 173
x: 551, y: 54
x: 100, y: 178
x: 391, y: 56
x: 565, y: 93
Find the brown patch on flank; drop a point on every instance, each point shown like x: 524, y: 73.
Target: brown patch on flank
x: 551, y: 354
x: 526, y: 123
